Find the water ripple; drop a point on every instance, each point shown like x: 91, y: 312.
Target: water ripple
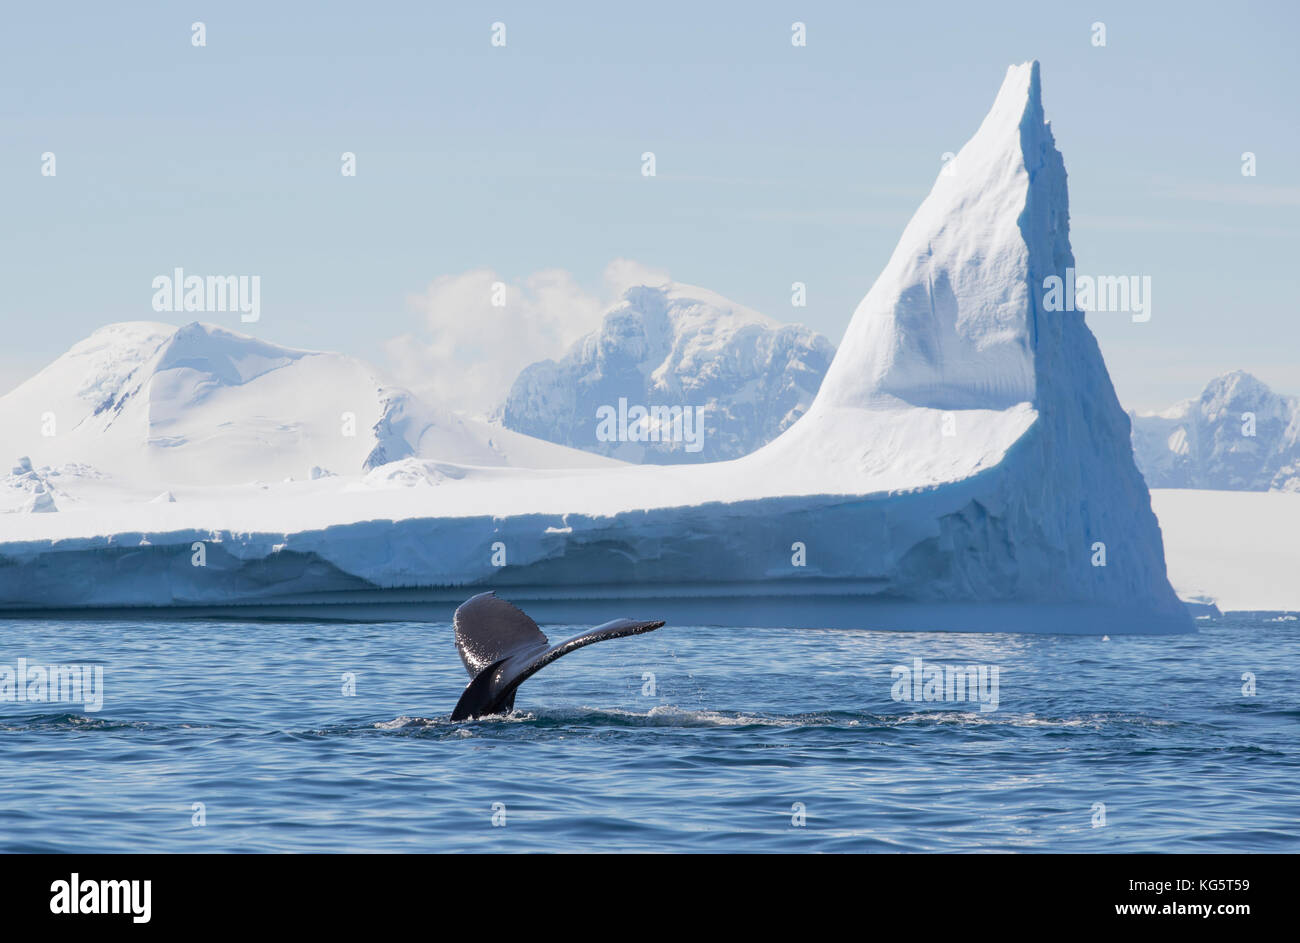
x: 691, y: 739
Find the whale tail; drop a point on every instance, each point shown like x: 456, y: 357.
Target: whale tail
x: 501, y: 648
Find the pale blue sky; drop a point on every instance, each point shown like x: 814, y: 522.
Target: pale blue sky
x: 775, y: 163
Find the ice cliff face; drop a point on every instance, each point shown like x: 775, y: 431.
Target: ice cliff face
x: 1238, y: 435
x: 748, y: 377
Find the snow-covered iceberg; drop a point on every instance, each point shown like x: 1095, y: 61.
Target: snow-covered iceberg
x: 965, y: 466
x: 1232, y: 550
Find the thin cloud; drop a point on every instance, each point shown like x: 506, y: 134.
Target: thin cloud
x: 467, y: 351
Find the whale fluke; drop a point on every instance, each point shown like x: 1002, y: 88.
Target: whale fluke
x: 502, y: 648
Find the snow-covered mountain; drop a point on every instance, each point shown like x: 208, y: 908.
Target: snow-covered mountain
x: 745, y: 377
x: 162, y: 407
x: 964, y: 466
x: 1238, y: 435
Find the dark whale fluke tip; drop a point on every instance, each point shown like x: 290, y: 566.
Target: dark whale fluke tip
x: 501, y: 648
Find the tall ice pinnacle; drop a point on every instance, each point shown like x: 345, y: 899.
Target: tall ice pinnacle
x: 949, y: 322
x: 954, y: 335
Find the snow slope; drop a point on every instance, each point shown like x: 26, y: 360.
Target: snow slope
x: 960, y: 468
x: 749, y: 377
x: 1205, y: 442
x: 154, y: 407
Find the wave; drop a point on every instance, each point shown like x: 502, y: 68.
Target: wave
x: 673, y: 716
x: 66, y: 720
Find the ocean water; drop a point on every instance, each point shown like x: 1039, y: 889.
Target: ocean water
x: 686, y: 739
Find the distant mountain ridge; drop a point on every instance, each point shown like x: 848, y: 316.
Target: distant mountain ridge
x: 747, y: 378
x: 1237, y: 435
x: 203, y: 405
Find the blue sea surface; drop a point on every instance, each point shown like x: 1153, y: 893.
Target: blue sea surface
x: 686, y: 739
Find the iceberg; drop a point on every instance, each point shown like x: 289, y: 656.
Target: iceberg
x: 965, y: 466
x: 1232, y: 551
